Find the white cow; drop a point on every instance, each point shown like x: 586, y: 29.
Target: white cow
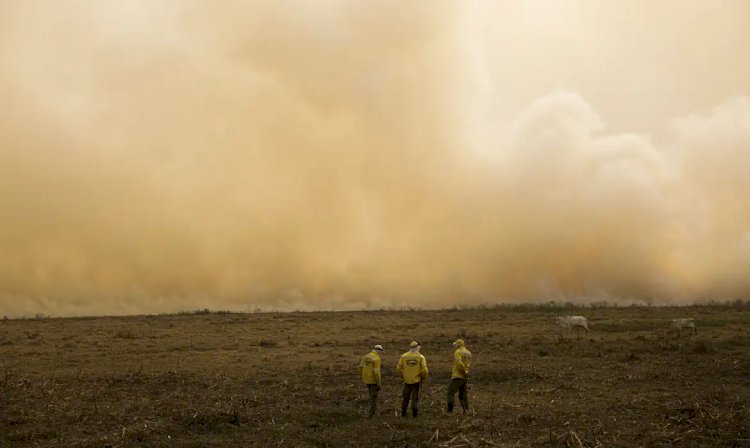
x: 678, y: 325
x: 568, y: 322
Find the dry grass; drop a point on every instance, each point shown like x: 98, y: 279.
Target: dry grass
x: 220, y: 380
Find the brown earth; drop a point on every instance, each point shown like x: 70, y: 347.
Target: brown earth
x: 224, y: 380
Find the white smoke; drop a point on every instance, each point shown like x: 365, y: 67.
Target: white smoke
x: 177, y: 156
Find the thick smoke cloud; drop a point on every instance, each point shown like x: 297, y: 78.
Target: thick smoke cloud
x: 165, y: 156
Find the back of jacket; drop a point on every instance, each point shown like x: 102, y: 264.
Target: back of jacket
x: 370, y: 368
x: 412, y: 367
x: 461, y: 363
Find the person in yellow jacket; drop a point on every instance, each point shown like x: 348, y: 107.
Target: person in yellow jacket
x: 369, y: 370
x: 412, y: 368
x: 459, y: 375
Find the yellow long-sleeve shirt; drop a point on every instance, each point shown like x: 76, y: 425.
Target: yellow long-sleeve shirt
x: 369, y: 368
x: 461, y: 363
x: 412, y: 367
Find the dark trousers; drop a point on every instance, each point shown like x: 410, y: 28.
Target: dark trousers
x: 373, y: 389
x: 458, y: 385
x: 410, y: 390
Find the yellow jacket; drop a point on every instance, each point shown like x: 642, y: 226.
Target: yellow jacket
x: 461, y: 363
x: 369, y: 368
x: 412, y: 367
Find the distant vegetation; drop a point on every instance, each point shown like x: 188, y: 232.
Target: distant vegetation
x: 552, y: 305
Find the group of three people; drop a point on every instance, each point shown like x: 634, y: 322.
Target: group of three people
x: 412, y: 369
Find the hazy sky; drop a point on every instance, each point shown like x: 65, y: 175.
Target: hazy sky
x: 174, y: 155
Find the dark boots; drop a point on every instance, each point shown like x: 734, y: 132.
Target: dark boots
x: 464, y: 406
x: 414, y: 410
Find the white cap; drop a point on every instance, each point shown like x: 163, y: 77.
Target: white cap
x: 377, y: 347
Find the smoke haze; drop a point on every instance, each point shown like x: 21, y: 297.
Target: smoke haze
x: 164, y: 156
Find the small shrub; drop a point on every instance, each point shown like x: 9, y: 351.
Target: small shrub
x: 703, y: 348
x: 628, y: 357
x: 124, y: 333
x: 267, y: 343
x: 200, y: 312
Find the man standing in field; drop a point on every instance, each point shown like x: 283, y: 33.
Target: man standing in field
x: 369, y: 370
x: 459, y: 375
x: 412, y: 368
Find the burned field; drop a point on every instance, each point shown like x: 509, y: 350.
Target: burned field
x: 221, y: 380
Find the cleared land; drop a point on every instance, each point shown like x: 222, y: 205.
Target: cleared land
x: 291, y: 379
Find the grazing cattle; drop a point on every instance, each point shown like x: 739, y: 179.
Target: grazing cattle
x: 678, y: 325
x: 568, y: 322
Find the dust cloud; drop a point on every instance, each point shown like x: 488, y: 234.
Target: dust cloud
x: 164, y: 156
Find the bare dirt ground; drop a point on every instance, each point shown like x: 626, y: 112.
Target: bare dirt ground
x: 225, y: 380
